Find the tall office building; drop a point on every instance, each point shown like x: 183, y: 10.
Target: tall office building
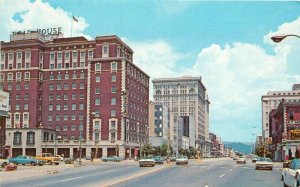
x: 185, y: 96
x: 271, y: 101
x: 78, y: 87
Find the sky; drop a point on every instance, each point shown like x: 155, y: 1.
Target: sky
x: 226, y: 43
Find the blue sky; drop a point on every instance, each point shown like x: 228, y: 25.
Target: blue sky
x: 227, y: 43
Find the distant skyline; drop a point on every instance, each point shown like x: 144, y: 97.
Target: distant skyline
x: 226, y: 43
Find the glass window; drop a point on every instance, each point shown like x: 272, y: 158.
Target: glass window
x: 81, y: 96
x: 97, y: 90
x: 98, y: 79
x: 65, y: 128
x: 58, y: 107
x: 66, y: 86
x: 113, y: 113
x: 26, y: 86
x: 90, y: 54
x: 51, y: 77
x: 17, y: 106
x: 113, y: 101
x: 98, y: 67
x: 26, y: 106
x: 65, y: 117
x: 74, y: 76
x: 73, y: 117
x: 75, y: 55
x: 58, y: 97
x: 50, y: 117
x: 59, y: 56
x: 50, y: 107
x: 73, y: 96
x: 73, y: 106
x: 97, y: 101
x: 113, y: 78
x: 50, y: 86
x: 26, y: 96
x: 66, y: 97
x: 57, y: 117
x: 113, y: 124
x: 66, y: 107
x: 81, y: 106
x: 67, y: 76
x: 58, y: 87
x: 82, y: 75
x: 81, y: 85
x: 73, y: 128
x: 113, y: 89
x: 58, y: 76
x: 82, y: 54
x: 73, y: 85
x: 57, y: 128
x: 97, y: 124
x: 67, y: 55
x: 51, y: 56
x: 114, y: 66
x: 18, y: 86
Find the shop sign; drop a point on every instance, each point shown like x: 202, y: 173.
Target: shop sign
x: 4, y: 100
x: 295, y: 134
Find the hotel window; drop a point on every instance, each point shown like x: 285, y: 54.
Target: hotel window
x: 113, y: 113
x: 58, y: 97
x: 66, y: 86
x: 90, y: 54
x: 113, y: 136
x: 73, y: 96
x: 67, y: 55
x: 17, y: 117
x: 73, y: 85
x: 50, y: 107
x: 50, y: 117
x: 26, y: 86
x: 59, y: 56
x: 81, y: 85
x: 57, y: 117
x: 1, y: 77
x: 1, y: 66
x: 27, y: 75
x: 2, y: 56
x: 51, y: 66
x: 81, y: 106
x: 58, y: 76
x: 97, y: 91
x: 30, y: 137
x: 113, y: 78
x: 97, y: 124
x: 26, y: 96
x: 51, y: 77
x: 9, y: 87
x: 58, y: 107
x: 118, y: 51
x: 65, y: 117
x: 81, y: 96
x: 114, y: 66
x: 19, y: 76
x: 58, y: 87
x: 9, y: 76
x: 19, y: 65
x: 17, y: 138
x: 1, y: 86
x: 73, y: 128
x: 18, y: 86
x: 66, y: 107
x: 73, y: 117
x: 17, y: 96
x: 105, y: 51
x: 10, y: 66
x: 19, y: 56
x: 66, y: 76
x: 113, y: 89
x: 17, y: 106
x: 51, y: 56
x: 98, y: 67
x: 113, y: 101
x: 82, y: 64
x: 57, y: 128
x: 10, y: 56
x: 74, y: 64
x: 73, y: 106
x: 66, y: 97
x: 97, y: 101
x: 113, y: 124
x: 98, y: 78
x: 65, y: 128
x: 75, y: 55
x: 27, y: 55
x: 59, y: 65
x: 82, y: 75
x: 96, y: 135
x: 67, y: 65
x: 74, y: 76
x: 26, y: 106
x: 82, y: 54
x: 26, y: 116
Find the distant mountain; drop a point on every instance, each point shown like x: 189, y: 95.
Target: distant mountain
x: 239, y: 146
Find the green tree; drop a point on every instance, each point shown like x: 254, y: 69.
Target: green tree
x: 146, y: 150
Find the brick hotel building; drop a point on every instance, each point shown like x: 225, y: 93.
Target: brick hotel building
x: 58, y: 86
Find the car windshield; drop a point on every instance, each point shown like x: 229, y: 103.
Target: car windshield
x: 184, y: 157
x: 147, y: 157
x: 265, y: 159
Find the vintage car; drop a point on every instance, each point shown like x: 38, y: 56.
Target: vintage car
x: 264, y: 163
x: 290, y: 176
x: 241, y: 160
x: 147, y: 161
x: 25, y: 160
x: 182, y: 160
x: 111, y: 158
x: 158, y: 160
x: 4, y: 162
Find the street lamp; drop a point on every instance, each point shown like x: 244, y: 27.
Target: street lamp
x: 279, y: 38
x: 80, y: 139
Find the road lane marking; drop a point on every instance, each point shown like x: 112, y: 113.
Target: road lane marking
x: 206, y: 186
x: 230, y: 170
x: 222, y: 175
x: 69, y: 179
x: 109, y: 171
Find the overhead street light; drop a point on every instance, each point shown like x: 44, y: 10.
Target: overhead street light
x: 279, y: 38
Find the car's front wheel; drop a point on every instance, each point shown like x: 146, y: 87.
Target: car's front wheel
x: 4, y: 164
x: 15, y: 163
x: 49, y: 162
x: 104, y: 160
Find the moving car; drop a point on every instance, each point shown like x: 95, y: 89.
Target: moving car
x: 290, y: 175
x: 241, y: 160
x: 25, y: 160
x: 158, y: 160
x: 48, y: 158
x: 147, y: 161
x: 182, y: 160
x: 173, y: 158
x: 265, y: 163
x: 111, y: 158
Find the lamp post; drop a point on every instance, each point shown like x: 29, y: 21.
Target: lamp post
x: 279, y: 38
x: 80, y: 139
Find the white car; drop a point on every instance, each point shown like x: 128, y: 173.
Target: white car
x: 147, y: 161
x: 265, y: 163
x: 241, y: 160
x: 290, y: 176
x: 4, y: 162
x: 182, y: 160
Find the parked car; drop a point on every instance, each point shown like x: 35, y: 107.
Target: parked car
x: 241, y: 160
x: 265, y: 163
x: 25, y: 160
x: 147, y: 161
x: 48, y: 158
x: 4, y: 162
x: 173, y: 158
x: 290, y: 176
x: 60, y: 157
x: 254, y: 158
x: 158, y: 160
x: 182, y: 160
x: 111, y: 158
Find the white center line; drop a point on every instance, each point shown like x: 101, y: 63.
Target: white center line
x: 206, y: 186
x: 109, y: 171
x: 230, y: 170
x: 222, y: 175
x: 70, y: 179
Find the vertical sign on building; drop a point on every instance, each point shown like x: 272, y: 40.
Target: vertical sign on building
x: 4, y: 102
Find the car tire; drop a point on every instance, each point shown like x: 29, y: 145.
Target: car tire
x: 141, y: 165
x: 15, y: 163
x: 4, y: 164
x: 57, y: 163
x: 49, y: 162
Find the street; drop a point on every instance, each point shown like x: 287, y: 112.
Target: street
x: 206, y: 173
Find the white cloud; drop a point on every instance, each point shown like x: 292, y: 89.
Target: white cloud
x: 38, y: 14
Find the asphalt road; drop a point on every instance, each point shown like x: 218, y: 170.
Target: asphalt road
x: 207, y: 173
x: 210, y: 173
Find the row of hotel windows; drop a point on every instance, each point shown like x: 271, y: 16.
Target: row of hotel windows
x: 65, y: 117
x: 19, y: 65
x: 67, y: 76
x: 19, y: 55
x: 67, y: 55
x: 10, y: 76
x: 18, y: 138
x: 66, y: 86
x: 135, y: 73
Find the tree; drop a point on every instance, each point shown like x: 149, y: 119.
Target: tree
x: 146, y: 149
